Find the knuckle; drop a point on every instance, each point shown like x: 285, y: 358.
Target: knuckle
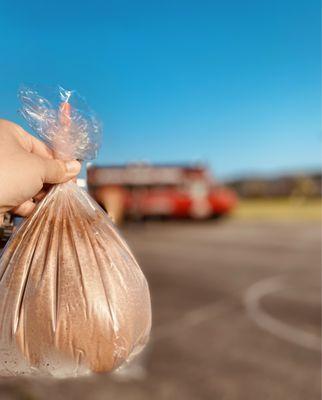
x: 9, y: 125
x: 5, y: 122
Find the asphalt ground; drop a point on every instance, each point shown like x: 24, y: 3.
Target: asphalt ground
x: 236, y: 315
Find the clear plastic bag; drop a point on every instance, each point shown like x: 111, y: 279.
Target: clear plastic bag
x: 73, y: 299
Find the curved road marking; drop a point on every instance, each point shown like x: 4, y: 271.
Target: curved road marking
x: 273, y: 325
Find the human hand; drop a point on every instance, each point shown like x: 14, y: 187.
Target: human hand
x: 26, y: 166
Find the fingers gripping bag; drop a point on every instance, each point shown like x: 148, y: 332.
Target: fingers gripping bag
x: 73, y: 299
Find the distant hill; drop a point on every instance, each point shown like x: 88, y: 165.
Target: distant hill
x: 297, y: 185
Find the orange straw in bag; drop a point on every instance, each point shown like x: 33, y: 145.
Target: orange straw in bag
x: 65, y: 119
x: 64, y: 142
x: 64, y: 114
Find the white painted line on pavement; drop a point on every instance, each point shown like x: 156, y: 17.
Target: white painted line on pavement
x: 271, y: 324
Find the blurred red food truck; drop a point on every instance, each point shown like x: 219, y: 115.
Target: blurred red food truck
x: 143, y: 190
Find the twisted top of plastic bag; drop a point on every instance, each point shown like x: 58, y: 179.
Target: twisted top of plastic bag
x: 63, y: 120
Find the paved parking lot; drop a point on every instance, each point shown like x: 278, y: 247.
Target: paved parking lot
x: 236, y: 316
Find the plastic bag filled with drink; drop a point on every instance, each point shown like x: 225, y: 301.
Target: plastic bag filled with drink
x: 73, y: 299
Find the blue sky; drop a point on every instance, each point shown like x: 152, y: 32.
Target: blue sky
x: 234, y: 83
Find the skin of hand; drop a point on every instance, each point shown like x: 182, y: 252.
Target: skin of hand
x: 27, y: 166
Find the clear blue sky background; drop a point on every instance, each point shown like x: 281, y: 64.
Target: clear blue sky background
x: 233, y: 83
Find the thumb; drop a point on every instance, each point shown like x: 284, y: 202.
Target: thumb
x: 58, y: 171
